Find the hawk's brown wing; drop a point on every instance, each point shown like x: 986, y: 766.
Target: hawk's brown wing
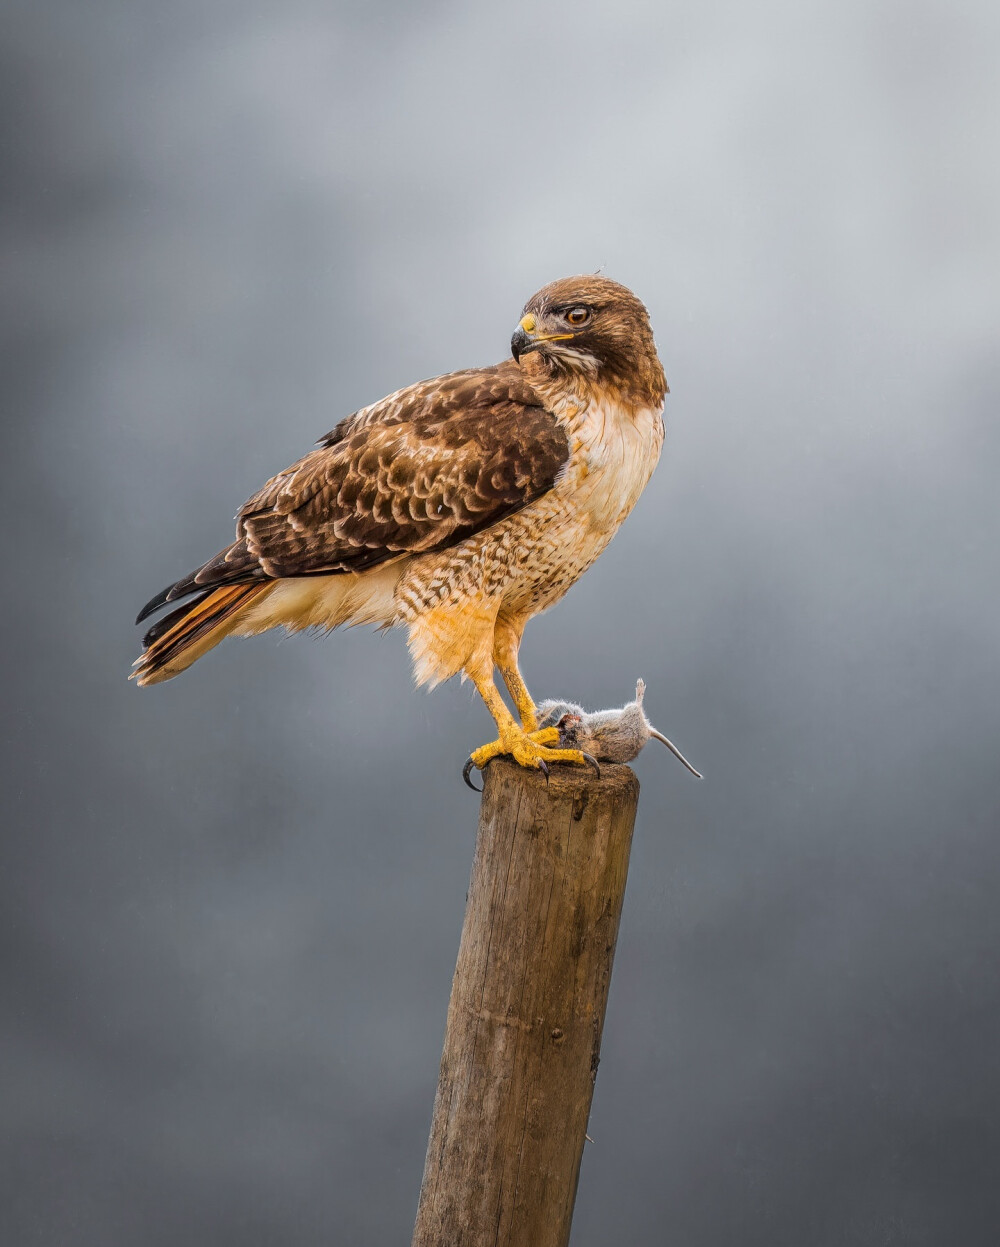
x: 419, y: 471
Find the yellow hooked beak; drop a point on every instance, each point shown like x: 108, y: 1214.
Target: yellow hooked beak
x: 525, y: 339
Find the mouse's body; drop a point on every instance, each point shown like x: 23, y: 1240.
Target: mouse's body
x: 609, y: 735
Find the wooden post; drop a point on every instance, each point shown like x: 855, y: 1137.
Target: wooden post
x: 527, y: 1007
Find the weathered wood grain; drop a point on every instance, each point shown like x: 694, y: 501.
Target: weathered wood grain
x: 527, y: 1008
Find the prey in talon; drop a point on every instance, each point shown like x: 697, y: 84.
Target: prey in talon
x: 609, y: 735
x: 457, y: 508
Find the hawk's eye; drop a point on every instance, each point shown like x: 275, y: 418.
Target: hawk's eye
x: 578, y: 315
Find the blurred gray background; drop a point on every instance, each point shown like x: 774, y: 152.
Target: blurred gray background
x: 231, y: 904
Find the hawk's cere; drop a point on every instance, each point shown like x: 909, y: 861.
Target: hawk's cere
x: 459, y: 507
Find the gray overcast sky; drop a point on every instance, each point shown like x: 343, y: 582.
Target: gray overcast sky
x: 231, y: 904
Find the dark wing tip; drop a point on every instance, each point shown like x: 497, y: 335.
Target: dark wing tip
x: 154, y: 604
x: 179, y: 589
x: 163, y: 625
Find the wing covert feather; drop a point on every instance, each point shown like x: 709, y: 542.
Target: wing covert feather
x: 420, y: 471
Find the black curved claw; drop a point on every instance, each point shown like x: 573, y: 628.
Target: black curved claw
x: 592, y: 761
x: 466, y: 772
x: 543, y: 766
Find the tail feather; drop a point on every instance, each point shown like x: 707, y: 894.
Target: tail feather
x: 173, y: 643
x: 163, y: 626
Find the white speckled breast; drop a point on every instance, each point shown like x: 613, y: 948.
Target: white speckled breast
x: 529, y: 560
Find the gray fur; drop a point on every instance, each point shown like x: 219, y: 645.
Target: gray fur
x: 609, y: 735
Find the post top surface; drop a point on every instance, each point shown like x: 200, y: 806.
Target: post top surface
x: 567, y: 780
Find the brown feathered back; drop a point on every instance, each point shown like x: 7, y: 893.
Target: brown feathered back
x: 419, y: 471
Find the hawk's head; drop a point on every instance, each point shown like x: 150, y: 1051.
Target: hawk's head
x: 592, y: 326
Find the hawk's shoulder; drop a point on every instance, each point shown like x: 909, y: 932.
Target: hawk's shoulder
x: 440, y: 398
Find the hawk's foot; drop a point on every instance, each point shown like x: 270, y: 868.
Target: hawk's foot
x: 530, y: 749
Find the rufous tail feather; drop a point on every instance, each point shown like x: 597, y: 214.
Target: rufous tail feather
x: 175, y: 642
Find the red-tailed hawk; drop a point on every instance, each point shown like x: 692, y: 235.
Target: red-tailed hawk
x: 458, y: 507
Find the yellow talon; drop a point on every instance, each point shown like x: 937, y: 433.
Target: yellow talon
x: 527, y: 744
x: 527, y: 749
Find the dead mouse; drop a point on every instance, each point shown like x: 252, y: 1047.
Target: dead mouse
x: 610, y: 735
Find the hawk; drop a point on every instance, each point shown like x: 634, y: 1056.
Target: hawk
x: 458, y: 508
